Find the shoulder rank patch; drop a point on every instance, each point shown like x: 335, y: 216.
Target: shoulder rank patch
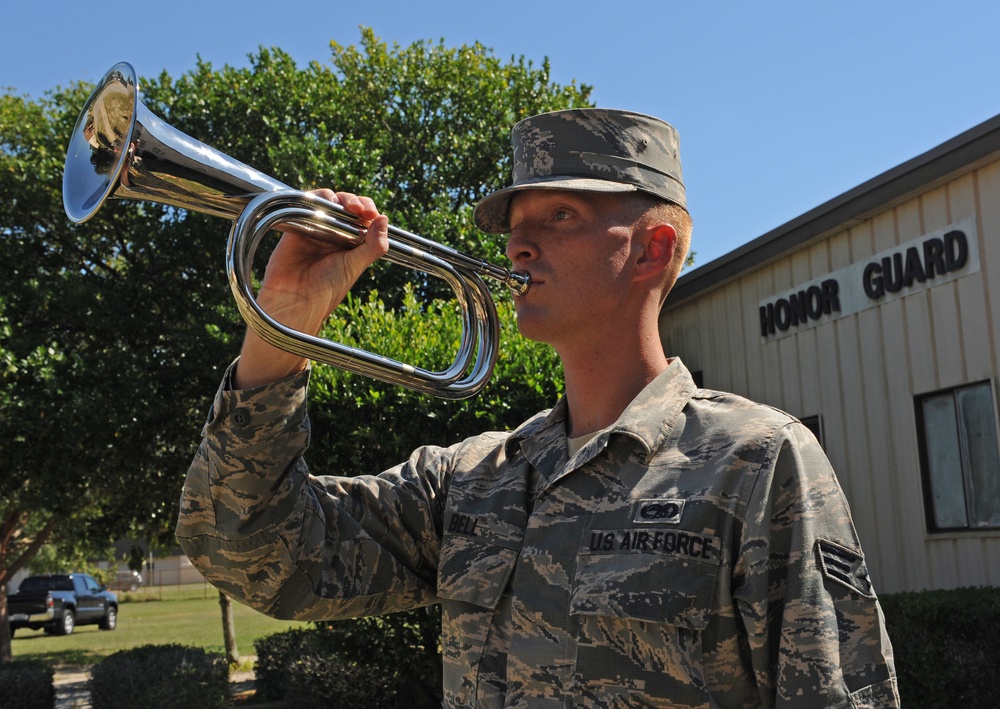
x: 659, y: 511
x: 845, y: 567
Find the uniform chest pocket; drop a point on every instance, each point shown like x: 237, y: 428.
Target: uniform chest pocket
x: 645, y: 587
x: 476, y: 561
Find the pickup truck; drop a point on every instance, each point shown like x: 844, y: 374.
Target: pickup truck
x: 60, y: 602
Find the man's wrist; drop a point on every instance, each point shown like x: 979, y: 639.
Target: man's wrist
x: 261, y: 363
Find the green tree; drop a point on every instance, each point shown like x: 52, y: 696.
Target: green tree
x: 103, y: 351
x: 424, y: 130
x: 363, y: 425
x: 113, y: 333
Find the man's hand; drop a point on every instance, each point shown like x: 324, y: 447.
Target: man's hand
x: 305, y: 280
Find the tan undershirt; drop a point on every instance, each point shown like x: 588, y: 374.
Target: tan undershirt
x: 575, y: 444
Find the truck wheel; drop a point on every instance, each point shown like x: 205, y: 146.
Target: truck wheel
x: 68, y: 623
x: 109, y: 621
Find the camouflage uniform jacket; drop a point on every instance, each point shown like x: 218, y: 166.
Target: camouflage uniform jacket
x: 697, y: 553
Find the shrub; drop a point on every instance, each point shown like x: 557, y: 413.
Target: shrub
x: 947, y: 647
x: 276, y: 653
x: 405, y: 645
x: 385, y: 661
x: 26, y: 684
x: 162, y: 676
x: 327, y: 682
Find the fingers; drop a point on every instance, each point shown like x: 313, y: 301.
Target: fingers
x: 363, y: 207
x: 376, y: 242
x: 358, y: 205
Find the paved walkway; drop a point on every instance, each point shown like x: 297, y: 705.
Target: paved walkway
x: 72, y: 692
x: 71, y: 688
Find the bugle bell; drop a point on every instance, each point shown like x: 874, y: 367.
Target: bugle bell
x: 119, y: 149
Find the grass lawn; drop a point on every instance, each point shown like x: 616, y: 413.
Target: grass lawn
x: 186, y: 615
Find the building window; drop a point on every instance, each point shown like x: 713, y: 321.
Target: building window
x: 960, y: 457
x: 814, y: 424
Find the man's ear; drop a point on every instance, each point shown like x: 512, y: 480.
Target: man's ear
x: 658, y: 244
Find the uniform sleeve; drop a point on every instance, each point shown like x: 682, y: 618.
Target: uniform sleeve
x: 814, y: 624
x: 258, y: 526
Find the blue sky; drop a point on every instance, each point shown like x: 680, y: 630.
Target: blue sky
x: 781, y: 105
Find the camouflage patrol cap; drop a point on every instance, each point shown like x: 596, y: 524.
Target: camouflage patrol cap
x: 591, y: 150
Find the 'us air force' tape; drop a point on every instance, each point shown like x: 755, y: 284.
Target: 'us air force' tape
x: 669, y: 542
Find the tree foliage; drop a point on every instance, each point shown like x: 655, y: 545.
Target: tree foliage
x: 114, y: 333
x: 104, y: 352
x: 362, y: 426
x: 424, y: 130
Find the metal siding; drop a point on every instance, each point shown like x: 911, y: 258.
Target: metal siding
x: 985, y: 360
x: 974, y: 315
x: 873, y: 505
x: 907, y: 568
x: 988, y: 200
x: 754, y: 384
x: 796, y: 351
x: 732, y: 352
x: 728, y: 348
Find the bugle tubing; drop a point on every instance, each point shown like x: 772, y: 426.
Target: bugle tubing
x: 121, y: 150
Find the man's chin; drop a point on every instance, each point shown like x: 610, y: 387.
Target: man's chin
x: 531, y: 328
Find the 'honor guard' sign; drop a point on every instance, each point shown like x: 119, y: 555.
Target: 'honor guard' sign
x: 932, y: 260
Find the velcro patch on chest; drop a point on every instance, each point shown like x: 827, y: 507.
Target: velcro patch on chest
x: 658, y: 511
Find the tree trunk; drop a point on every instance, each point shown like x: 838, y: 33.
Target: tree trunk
x: 6, y: 649
x: 12, y: 561
x: 229, y: 629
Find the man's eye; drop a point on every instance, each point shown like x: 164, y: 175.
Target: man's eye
x: 562, y: 214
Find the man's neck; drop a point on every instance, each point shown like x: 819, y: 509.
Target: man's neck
x: 602, y: 382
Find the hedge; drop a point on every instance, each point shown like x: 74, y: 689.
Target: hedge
x: 163, y: 676
x: 308, y: 667
x: 389, y: 661
x: 26, y: 684
x: 947, y: 647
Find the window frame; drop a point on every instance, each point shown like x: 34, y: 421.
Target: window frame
x: 930, y: 510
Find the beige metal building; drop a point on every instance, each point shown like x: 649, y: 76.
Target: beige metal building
x: 875, y: 319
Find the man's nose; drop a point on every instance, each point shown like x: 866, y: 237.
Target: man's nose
x: 520, y: 246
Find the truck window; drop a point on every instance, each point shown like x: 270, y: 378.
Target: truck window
x: 34, y: 584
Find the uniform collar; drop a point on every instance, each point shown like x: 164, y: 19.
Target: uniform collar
x: 648, y: 419
x: 651, y: 416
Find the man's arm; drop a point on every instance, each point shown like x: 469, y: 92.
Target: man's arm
x: 265, y: 532
x: 815, y: 628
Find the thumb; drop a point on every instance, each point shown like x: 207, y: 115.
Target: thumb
x: 374, y: 247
